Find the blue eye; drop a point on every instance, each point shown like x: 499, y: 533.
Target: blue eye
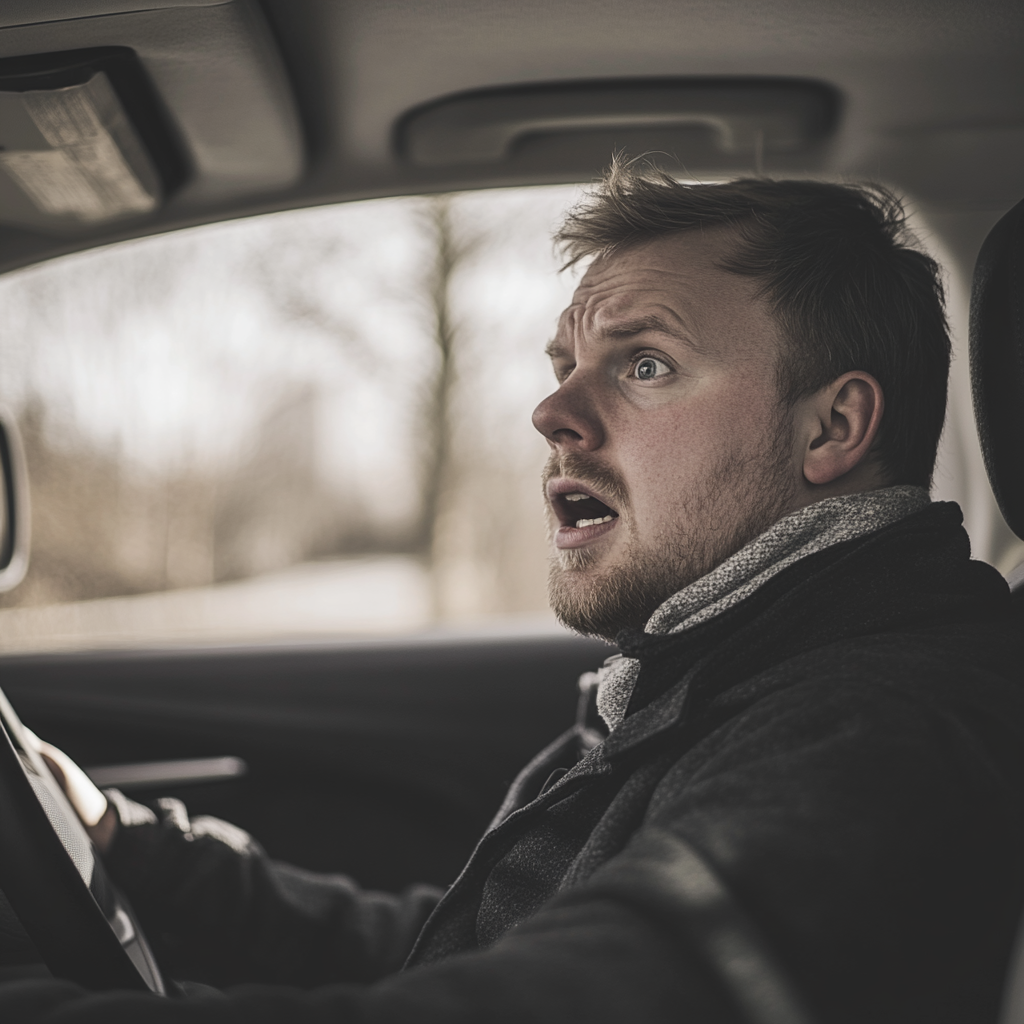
x: 650, y: 368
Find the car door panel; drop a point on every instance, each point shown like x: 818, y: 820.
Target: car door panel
x: 384, y: 760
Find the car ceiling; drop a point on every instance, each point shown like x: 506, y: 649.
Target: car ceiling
x: 931, y: 90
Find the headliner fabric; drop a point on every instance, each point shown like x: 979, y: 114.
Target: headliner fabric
x: 804, y: 532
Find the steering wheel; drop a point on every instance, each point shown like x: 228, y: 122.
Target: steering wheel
x: 81, y: 925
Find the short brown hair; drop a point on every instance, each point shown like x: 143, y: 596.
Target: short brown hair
x: 840, y: 272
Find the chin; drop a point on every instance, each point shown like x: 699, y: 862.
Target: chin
x: 598, y: 603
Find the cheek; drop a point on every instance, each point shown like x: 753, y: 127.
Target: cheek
x: 672, y: 449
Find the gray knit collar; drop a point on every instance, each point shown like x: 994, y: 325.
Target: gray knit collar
x: 805, y: 532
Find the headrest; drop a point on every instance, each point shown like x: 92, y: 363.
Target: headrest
x: 997, y: 362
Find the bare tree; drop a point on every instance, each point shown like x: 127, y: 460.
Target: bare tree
x: 449, y: 245
x: 451, y: 248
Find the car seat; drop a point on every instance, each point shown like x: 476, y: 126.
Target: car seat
x: 997, y: 372
x: 997, y: 382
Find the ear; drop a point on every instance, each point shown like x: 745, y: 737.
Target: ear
x: 838, y: 426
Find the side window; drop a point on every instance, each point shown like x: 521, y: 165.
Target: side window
x: 309, y: 423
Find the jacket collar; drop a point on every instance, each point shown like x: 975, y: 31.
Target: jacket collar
x: 914, y: 574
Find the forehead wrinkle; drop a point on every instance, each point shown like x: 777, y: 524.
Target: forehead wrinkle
x: 659, y: 317
x: 614, y: 307
x: 617, y: 300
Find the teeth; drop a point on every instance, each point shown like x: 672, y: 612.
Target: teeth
x: 580, y: 523
x: 578, y: 496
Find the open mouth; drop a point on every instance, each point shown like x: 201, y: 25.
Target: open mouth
x: 580, y: 509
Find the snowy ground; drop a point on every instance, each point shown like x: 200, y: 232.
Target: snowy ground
x: 319, y: 600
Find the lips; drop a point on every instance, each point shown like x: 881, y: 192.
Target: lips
x: 583, y: 514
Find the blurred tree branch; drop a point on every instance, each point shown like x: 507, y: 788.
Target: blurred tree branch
x: 451, y: 248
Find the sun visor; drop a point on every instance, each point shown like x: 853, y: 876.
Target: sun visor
x: 173, y: 109
x: 698, y: 124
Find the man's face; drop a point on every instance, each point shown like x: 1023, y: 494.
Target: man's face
x: 669, y: 449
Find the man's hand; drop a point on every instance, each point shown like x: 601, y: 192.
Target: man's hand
x: 98, y: 817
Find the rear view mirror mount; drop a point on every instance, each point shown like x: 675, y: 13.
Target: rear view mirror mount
x: 15, y: 511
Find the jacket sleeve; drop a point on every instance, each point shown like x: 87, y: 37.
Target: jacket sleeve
x: 592, y: 961
x: 587, y: 957
x: 218, y: 910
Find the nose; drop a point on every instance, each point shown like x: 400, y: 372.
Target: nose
x: 568, y: 418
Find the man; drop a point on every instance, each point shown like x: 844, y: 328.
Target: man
x: 808, y: 806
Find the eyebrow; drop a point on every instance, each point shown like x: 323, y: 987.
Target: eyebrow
x: 647, y: 322
x: 627, y: 328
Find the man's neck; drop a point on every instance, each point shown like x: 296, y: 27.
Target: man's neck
x: 813, y: 528
x: 803, y: 532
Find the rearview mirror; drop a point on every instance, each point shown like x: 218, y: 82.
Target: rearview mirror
x: 15, y: 516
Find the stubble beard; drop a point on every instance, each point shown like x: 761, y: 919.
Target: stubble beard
x: 736, y: 500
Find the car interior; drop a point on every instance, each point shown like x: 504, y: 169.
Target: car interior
x: 121, y: 119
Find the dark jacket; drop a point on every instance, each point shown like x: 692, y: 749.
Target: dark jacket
x: 813, y: 811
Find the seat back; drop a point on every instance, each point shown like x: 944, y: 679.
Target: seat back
x: 1016, y: 581
x: 997, y: 369
x: 997, y: 362
x: 997, y: 383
